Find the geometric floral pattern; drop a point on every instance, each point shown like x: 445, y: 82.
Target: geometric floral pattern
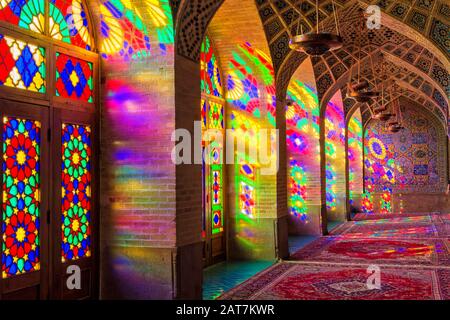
x: 27, y: 14
x: 76, y: 192
x: 287, y: 281
x: 68, y: 22
x: 74, y: 78
x: 22, y: 65
x: 21, y: 196
x: 336, y: 267
x: 210, y: 74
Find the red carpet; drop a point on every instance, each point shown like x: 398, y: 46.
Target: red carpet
x: 288, y: 281
x: 392, y: 230
x: 430, y: 252
x: 411, y: 250
x: 372, y: 216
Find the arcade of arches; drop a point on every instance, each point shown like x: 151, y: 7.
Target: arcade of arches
x: 93, y: 91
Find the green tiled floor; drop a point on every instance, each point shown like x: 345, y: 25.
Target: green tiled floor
x: 333, y: 224
x: 298, y: 242
x: 226, y: 275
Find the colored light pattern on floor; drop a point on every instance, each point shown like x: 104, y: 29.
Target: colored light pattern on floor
x: 74, y: 78
x: 128, y: 31
x: 303, y: 147
x: 22, y: 65
x: 355, y: 156
x: 210, y: 75
x: 27, y: 14
x: 68, y: 22
x: 21, y: 196
x: 76, y: 192
x: 335, y: 153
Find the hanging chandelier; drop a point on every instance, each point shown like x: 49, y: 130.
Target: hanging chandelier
x: 360, y: 91
x: 395, y: 125
x: 317, y: 43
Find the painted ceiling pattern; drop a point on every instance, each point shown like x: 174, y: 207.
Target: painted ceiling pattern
x: 425, y: 76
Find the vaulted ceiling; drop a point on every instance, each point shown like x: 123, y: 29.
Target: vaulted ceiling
x: 414, y: 39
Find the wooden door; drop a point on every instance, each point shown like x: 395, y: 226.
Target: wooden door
x: 25, y: 209
x: 74, y: 222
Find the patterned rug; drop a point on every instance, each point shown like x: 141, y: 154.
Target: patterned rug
x: 289, y: 281
x: 339, y: 249
x: 391, y: 230
x: 373, y: 216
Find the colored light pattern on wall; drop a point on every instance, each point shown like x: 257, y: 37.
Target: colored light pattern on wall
x: 263, y: 64
x: 27, y: 14
x: 210, y: 77
x: 128, y: 31
x: 413, y: 160
x: 297, y: 187
x: 22, y: 65
x: 302, y: 133
x: 68, y: 22
x: 379, y: 170
x: 246, y: 168
x: 242, y: 87
x: 76, y: 192
x: 335, y: 154
x: 21, y: 196
x: 74, y: 78
x: 355, y: 157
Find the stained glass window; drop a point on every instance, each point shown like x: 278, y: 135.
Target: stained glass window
x: 217, y: 199
x: 68, y: 22
x: 27, y: 14
x: 22, y: 65
x: 74, y: 78
x: 211, y: 82
x: 215, y: 115
x: 76, y: 192
x: 212, y: 116
x: 21, y: 196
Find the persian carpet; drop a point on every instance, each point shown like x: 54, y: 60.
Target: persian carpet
x: 371, y: 216
x: 343, y: 249
x: 293, y: 281
x: 391, y: 230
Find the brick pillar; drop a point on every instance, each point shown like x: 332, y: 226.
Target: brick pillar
x: 282, y: 194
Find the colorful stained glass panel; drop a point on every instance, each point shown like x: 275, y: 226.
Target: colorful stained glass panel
x: 74, y: 78
x: 68, y: 22
x: 76, y: 192
x: 22, y: 65
x: 215, y: 115
x: 27, y: 14
x: 21, y: 196
x: 211, y: 82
